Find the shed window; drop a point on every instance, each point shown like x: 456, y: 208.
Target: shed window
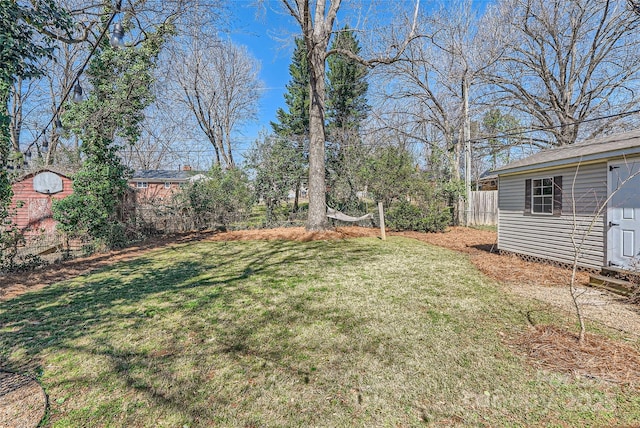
x: 167, y: 185
x: 142, y: 184
x: 543, y: 196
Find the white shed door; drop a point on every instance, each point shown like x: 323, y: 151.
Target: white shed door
x: 623, y: 214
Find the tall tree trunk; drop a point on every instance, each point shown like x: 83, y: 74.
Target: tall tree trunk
x: 296, y: 198
x: 212, y: 138
x: 16, y: 125
x: 231, y: 163
x: 5, y: 149
x: 317, y: 46
x: 317, y: 32
x: 53, y: 147
x: 220, y: 137
x: 466, y: 139
x: 317, y: 219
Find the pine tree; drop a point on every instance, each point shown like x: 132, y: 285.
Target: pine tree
x: 347, y: 107
x: 347, y: 85
x: 293, y: 125
x: 295, y: 122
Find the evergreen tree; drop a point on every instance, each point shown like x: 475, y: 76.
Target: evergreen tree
x: 293, y: 125
x: 121, y: 89
x: 347, y: 107
x: 347, y: 85
x: 277, y: 169
x: 295, y: 122
x: 494, y: 123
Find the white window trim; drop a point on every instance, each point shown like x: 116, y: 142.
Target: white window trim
x: 167, y: 185
x: 533, y: 197
x: 142, y: 184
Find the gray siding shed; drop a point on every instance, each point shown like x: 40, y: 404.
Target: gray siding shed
x: 548, y: 236
x: 583, y: 229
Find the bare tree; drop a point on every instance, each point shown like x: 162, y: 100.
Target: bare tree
x: 160, y: 145
x: 316, y: 20
x: 581, y: 228
x: 219, y: 86
x: 432, y: 86
x: 423, y: 91
x: 59, y: 80
x: 16, y: 109
x: 37, y: 103
x: 569, y: 61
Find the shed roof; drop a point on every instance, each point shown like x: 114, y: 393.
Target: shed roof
x: 611, y: 146
x: 54, y: 169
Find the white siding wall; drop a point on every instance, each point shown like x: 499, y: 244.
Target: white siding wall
x: 547, y: 236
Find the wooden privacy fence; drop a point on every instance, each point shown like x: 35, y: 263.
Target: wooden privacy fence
x: 484, y: 208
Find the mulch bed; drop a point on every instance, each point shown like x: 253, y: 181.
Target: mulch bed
x: 23, y: 402
x: 554, y: 348
x: 481, y: 246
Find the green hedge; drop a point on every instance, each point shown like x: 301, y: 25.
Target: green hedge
x: 407, y: 216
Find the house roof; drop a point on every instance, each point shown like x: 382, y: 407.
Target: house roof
x: 163, y: 175
x: 611, y: 146
x: 488, y: 176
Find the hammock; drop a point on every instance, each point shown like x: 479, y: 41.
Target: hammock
x: 337, y: 215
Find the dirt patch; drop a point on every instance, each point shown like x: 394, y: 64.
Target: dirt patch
x: 294, y: 234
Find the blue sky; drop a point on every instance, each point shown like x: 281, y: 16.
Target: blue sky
x: 263, y: 34
x: 268, y: 32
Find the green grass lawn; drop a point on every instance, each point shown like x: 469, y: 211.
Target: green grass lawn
x: 327, y: 333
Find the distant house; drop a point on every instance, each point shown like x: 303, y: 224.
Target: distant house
x: 546, y: 198
x: 487, y: 181
x: 159, y: 185
x: 32, y: 198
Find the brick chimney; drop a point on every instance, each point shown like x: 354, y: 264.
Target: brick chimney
x: 186, y: 168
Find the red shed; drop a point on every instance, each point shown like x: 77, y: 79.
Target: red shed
x: 32, y: 197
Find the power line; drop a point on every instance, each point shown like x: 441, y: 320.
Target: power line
x: 413, y: 142
x: 552, y: 127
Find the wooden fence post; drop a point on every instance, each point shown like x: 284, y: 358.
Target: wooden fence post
x: 381, y: 212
